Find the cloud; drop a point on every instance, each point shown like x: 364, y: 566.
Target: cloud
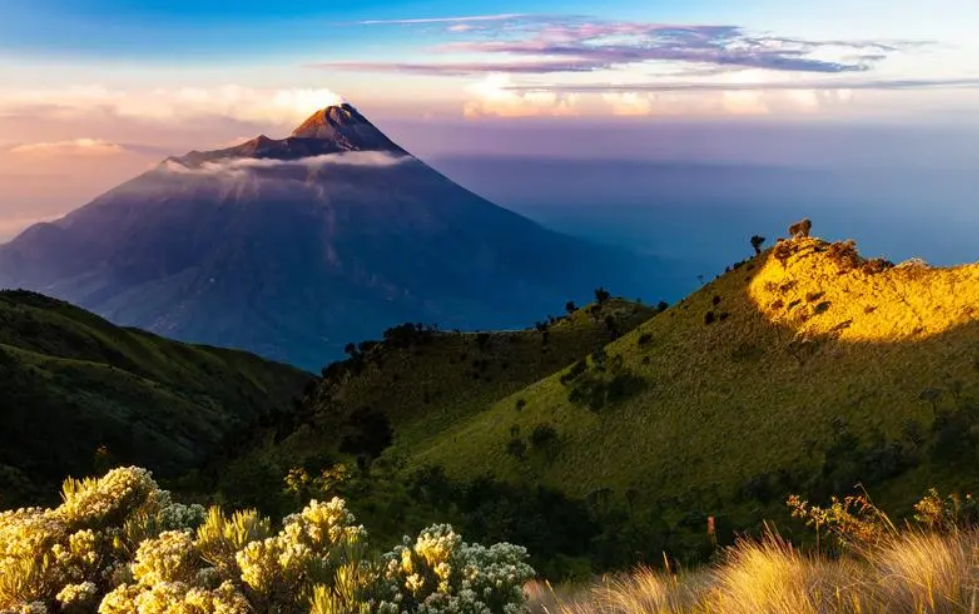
x: 74, y: 147
x: 493, y: 98
x: 629, y: 104
x: 242, y: 166
x: 462, y: 69
x: 679, y: 86
x: 578, y: 44
x: 272, y: 106
x: 438, y: 20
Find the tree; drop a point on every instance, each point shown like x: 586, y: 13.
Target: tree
x: 756, y: 242
x: 602, y: 295
x: 570, y: 307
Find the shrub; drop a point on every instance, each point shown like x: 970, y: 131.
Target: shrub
x: 845, y: 255
x: 709, y: 317
x: 645, y: 339
x: 543, y: 436
x: 516, y: 448
x: 602, y: 296
x: 119, y: 545
x: 782, y: 252
x: 877, y: 265
x: 662, y: 306
x: 574, y: 372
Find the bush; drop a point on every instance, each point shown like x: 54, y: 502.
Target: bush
x: 845, y: 255
x: 783, y: 251
x: 574, y: 372
x: 543, y: 436
x: 119, y: 545
x: 516, y: 448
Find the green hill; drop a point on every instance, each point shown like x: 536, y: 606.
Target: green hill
x: 72, y: 383
x: 417, y: 381
x: 806, y: 369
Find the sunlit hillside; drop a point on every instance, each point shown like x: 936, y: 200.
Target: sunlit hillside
x: 806, y: 369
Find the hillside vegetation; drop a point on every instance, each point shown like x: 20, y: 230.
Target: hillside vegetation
x: 806, y: 369
x: 78, y: 394
x: 417, y: 381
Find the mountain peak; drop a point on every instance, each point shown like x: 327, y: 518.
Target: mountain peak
x: 325, y: 121
x: 345, y: 127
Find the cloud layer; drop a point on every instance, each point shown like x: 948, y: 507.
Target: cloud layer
x: 72, y: 147
x: 269, y: 106
x: 242, y: 166
x: 538, y: 45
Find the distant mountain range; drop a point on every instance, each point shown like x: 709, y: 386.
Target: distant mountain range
x: 292, y: 248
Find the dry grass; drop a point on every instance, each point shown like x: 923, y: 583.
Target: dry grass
x: 914, y: 573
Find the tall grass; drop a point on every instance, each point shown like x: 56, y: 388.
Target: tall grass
x: 910, y: 573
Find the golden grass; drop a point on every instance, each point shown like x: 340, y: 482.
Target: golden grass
x: 913, y: 573
x: 813, y: 295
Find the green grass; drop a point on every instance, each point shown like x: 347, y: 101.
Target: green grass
x: 427, y: 386
x: 71, y: 382
x: 788, y: 349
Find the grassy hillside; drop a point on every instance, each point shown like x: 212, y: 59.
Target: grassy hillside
x: 806, y: 369
x: 417, y: 382
x: 72, y: 383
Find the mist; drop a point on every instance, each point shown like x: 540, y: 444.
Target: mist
x: 704, y: 214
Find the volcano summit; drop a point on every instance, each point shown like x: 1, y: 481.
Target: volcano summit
x: 292, y: 248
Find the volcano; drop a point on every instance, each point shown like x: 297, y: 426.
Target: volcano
x: 291, y: 248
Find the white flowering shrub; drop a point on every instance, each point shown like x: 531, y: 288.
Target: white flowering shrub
x: 441, y: 573
x: 120, y: 545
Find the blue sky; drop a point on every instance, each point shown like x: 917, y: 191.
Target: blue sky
x: 101, y: 89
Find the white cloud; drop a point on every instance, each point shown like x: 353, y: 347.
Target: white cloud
x: 241, y: 166
x: 629, y: 103
x: 273, y: 106
x: 460, y: 19
x: 74, y: 147
x: 492, y: 97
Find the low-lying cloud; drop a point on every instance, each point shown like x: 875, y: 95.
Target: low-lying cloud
x: 72, y: 147
x: 243, y: 166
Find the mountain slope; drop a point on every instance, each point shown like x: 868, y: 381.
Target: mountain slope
x: 71, y: 382
x: 415, y: 383
x: 291, y: 248
x: 807, y: 370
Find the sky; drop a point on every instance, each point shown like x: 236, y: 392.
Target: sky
x: 93, y: 92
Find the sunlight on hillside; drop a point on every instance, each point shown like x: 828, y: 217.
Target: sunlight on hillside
x: 820, y: 289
